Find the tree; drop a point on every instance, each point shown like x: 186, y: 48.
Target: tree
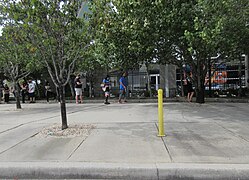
x: 235, y: 31
x: 113, y: 41
x: 57, y: 34
x: 179, y: 32
x: 16, y: 57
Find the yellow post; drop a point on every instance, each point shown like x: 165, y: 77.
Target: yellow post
x: 160, y: 113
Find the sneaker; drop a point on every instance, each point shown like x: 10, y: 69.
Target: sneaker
x: 106, y: 103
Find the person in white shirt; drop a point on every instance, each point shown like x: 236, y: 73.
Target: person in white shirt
x: 31, y: 91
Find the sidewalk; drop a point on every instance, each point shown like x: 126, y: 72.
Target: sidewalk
x: 208, y: 141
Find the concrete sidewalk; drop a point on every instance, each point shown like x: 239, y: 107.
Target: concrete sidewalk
x: 208, y: 141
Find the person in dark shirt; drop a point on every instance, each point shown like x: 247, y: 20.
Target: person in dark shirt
x: 6, y: 91
x: 106, y: 88
x: 1, y: 90
x: 189, y: 89
x: 24, y: 90
x: 48, y: 92
x: 78, y: 89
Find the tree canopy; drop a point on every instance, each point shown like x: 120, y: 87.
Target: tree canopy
x: 179, y: 32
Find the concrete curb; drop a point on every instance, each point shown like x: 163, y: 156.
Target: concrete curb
x: 75, y: 170
x: 83, y: 170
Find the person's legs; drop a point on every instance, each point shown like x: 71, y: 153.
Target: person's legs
x: 81, y: 98
x: 120, y: 96
x: 191, y: 96
x: 47, y: 96
x: 33, y: 98
x: 107, y: 94
x: 76, y: 96
x: 8, y: 98
x: 107, y: 97
x: 188, y: 97
x: 77, y: 99
x: 30, y: 98
x: 5, y: 98
x: 23, y: 97
x: 124, y: 93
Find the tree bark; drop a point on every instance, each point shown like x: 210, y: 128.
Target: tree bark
x: 200, y: 94
x: 17, y: 95
x: 200, y: 87
x: 63, y: 107
x: 148, y: 78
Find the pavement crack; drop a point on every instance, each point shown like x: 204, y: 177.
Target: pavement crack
x: 76, y: 148
x: 11, y: 128
x: 165, y: 145
x: 19, y: 143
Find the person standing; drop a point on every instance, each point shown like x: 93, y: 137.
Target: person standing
x: 189, y: 89
x: 6, y: 91
x: 48, y: 91
x: 1, y: 90
x: 24, y: 88
x: 31, y: 91
x: 122, y: 87
x: 78, y: 89
x: 106, y: 88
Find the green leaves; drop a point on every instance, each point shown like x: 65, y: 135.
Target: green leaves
x: 51, y: 32
x: 170, y: 31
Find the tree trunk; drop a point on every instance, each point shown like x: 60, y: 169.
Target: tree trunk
x: 200, y: 94
x: 148, y: 78
x: 90, y: 90
x: 200, y: 87
x: 63, y: 107
x: 17, y: 95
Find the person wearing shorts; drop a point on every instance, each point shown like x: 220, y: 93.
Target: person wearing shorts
x: 31, y: 91
x: 106, y: 88
x: 78, y: 89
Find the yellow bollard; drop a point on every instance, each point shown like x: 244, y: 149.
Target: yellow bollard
x: 160, y: 113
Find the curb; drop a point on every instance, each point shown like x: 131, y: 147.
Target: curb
x: 83, y: 170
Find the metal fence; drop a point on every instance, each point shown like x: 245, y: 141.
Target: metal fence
x: 226, y: 80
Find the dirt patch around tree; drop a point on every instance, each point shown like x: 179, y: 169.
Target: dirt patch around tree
x: 73, y: 130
